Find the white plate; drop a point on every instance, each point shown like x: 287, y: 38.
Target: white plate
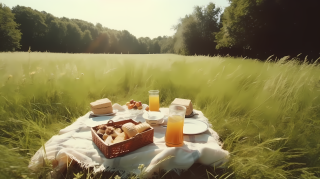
x: 153, y: 118
x: 194, y: 126
x: 109, y: 114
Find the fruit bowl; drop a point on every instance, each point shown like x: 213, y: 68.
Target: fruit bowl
x: 136, y: 107
x: 137, y: 111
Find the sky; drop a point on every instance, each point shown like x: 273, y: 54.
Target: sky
x: 142, y: 18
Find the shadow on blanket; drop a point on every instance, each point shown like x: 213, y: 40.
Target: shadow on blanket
x: 195, y: 171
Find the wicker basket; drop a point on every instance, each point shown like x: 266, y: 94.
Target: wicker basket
x: 124, y: 147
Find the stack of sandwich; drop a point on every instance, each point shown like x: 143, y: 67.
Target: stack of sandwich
x: 101, y: 106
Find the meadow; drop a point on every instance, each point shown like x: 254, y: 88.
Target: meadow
x: 266, y: 113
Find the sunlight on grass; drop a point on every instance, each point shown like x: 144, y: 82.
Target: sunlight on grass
x: 267, y: 114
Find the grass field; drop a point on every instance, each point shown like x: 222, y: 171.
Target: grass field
x: 267, y: 114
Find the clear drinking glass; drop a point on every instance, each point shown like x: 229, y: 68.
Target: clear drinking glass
x: 174, y: 133
x: 154, y: 100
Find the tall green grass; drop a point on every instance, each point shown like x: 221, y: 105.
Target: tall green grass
x: 267, y: 114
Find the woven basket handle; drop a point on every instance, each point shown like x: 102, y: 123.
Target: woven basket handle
x: 110, y: 123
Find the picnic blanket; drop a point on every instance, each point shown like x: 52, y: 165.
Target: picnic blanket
x: 75, y: 143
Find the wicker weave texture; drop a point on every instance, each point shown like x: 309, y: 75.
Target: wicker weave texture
x: 124, y: 147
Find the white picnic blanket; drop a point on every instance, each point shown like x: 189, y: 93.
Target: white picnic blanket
x: 75, y: 143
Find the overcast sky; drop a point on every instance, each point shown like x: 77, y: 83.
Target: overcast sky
x: 142, y: 18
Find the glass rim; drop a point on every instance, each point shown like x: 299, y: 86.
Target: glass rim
x: 153, y: 91
x: 177, y: 107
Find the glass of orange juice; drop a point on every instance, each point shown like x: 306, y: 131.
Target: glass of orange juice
x: 154, y: 100
x: 174, y: 133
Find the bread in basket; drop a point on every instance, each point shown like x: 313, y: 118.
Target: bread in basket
x: 121, y: 148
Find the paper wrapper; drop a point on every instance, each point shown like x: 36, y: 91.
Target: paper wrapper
x: 184, y: 102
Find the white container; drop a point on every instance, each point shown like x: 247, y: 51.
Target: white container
x: 153, y: 117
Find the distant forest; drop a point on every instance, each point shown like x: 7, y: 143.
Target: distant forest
x: 247, y: 28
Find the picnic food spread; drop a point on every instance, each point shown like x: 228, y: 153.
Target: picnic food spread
x: 99, y: 140
x: 174, y: 134
x: 179, y: 108
x: 123, y: 139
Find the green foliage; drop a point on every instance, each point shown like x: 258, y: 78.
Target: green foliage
x: 267, y: 114
x: 56, y: 35
x: 166, y: 44
x: 9, y: 34
x: 127, y: 43
x: 260, y: 28
x: 45, y: 32
x: 32, y: 26
x: 195, y: 32
x: 248, y: 28
x: 73, y: 38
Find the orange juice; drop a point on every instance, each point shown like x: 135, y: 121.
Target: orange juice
x: 174, y: 134
x: 154, y: 102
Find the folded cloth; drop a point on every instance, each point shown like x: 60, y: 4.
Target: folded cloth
x: 75, y: 143
x: 118, y: 107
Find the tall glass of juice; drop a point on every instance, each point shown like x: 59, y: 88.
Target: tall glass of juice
x: 154, y: 100
x: 174, y: 133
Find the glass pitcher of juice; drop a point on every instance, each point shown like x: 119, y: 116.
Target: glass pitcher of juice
x: 154, y: 100
x: 174, y: 133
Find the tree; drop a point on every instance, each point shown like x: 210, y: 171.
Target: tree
x: 101, y: 44
x: 10, y: 35
x: 86, y: 40
x: 166, y: 44
x: 45, y: 32
x: 155, y: 47
x: 127, y: 42
x: 144, y: 45
x: 73, y: 38
x: 260, y: 28
x: 99, y: 27
x: 191, y: 35
x: 33, y: 27
x: 55, y: 37
x: 198, y: 28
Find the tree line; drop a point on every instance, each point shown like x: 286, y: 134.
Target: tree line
x: 43, y: 31
x: 247, y: 28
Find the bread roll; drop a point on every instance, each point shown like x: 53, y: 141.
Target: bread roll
x: 121, y: 137
x: 130, y: 129
x: 100, y: 131
x: 118, y: 130
x: 115, y: 134
x: 142, y: 127
x: 109, y: 130
x: 126, y: 136
x: 109, y: 140
x: 102, y: 126
x: 105, y: 136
